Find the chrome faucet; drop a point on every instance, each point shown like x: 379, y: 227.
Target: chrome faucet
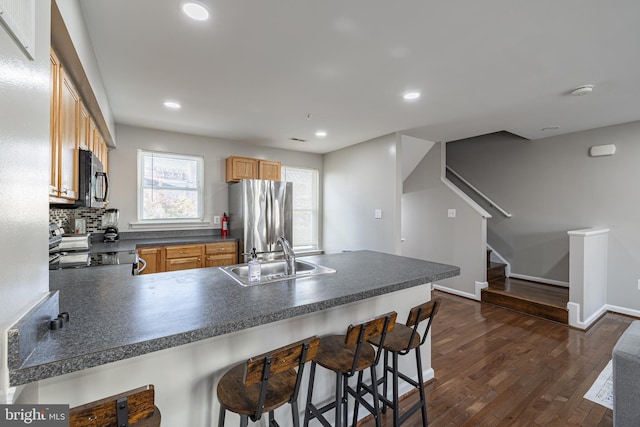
x: 289, y: 256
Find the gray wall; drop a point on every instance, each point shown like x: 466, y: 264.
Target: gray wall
x: 357, y: 181
x: 24, y: 177
x: 552, y: 186
x: 430, y: 234
x: 123, y: 165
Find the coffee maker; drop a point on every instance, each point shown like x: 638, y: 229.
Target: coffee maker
x: 110, y: 225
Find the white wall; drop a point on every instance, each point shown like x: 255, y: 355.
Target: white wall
x: 24, y: 177
x: 357, y: 181
x: 552, y: 186
x: 430, y: 234
x: 123, y: 165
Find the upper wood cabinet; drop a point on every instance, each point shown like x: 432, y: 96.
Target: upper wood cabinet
x: 53, y: 125
x: 84, y: 128
x: 268, y: 169
x: 65, y: 113
x: 239, y: 168
x: 72, y: 127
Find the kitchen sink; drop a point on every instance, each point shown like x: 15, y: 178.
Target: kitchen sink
x: 274, y: 271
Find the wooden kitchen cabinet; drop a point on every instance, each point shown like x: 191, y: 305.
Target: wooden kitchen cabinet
x: 53, y: 124
x: 153, y: 258
x: 268, y: 169
x: 183, y: 257
x: 65, y: 117
x: 72, y: 128
x: 239, y: 168
x: 100, y: 149
x: 84, y: 128
x: 219, y: 254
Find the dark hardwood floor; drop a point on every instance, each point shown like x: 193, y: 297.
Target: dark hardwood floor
x: 497, y: 367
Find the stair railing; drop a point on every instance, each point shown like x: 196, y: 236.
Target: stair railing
x: 479, y: 193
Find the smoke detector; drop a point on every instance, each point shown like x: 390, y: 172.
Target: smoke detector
x: 582, y: 90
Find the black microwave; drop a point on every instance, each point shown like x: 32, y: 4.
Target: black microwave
x: 93, y: 183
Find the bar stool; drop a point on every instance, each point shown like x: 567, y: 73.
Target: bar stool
x: 400, y: 342
x: 345, y: 355
x: 134, y: 408
x: 266, y: 382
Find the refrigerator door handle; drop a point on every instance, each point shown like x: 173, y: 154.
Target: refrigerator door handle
x: 269, y: 217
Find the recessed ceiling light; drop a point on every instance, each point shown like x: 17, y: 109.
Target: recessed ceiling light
x: 551, y: 128
x: 410, y: 96
x: 173, y: 105
x: 195, y: 11
x: 582, y: 90
x: 321, y: 134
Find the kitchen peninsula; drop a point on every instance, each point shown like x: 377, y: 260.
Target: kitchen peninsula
x: 180, y: 330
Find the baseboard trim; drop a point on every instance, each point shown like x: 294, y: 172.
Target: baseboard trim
x: 574, y: 314
x: 539, y: 280
x: 622, y: 310
x: 456, y: 292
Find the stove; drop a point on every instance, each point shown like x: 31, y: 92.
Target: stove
x: 74, y: 251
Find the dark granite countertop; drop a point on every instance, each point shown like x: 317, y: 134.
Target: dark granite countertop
x: 115, y: 315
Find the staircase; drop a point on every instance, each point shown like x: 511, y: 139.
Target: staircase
x: 537, y: 299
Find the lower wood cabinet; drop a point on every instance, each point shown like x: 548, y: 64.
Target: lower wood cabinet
x: 185, y: 257
x: 219, y: 254
x: 153, y: 258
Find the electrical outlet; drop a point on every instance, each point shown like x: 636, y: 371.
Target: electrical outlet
x: 216, y: 220
x: 451, y: 213
x: 378, y: 214
x: 639, y: 284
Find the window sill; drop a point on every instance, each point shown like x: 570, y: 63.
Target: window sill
x: 169, y: 225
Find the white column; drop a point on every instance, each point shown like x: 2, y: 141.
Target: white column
x: 588, y: 251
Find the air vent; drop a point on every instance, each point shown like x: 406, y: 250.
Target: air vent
x: 297, y: 139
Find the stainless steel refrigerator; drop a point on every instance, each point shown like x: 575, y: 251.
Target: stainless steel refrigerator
x: 260, y: 212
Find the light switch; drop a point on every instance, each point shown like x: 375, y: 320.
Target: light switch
x: 378, y: 214
x: 216, y: 220
x: 451, y: 213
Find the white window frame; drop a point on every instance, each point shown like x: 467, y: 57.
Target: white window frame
x: 315, y: 210
x: 199, y: 189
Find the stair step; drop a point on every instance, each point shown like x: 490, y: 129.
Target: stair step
x: 496, y: 271
x: 537, y: 299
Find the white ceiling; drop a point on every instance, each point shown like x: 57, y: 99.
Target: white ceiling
x: 255, y: 70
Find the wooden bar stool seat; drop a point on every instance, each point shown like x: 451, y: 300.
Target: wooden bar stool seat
x: 241, y: 399
x: 347, y: 355
x: 399, y: 342
x: 265, y: 383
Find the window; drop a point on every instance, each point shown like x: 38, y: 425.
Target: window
x: 169, y: 186
x: 305, y: 206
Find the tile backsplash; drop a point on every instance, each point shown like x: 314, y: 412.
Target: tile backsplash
x: 63, y: 218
